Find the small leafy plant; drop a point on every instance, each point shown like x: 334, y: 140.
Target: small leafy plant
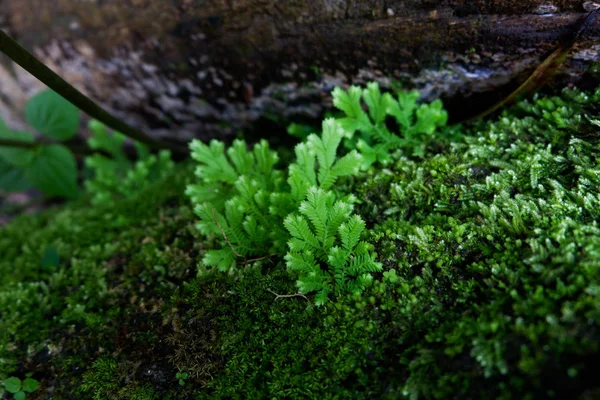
x: 244, y: 199
x: 19, y: 388
x: 416, y: 121
x: 317, y: 163
x: 116, y: 177
x: 182, y: 377
x: 324, y: 233
x: 49, y: 167
x: 239, y: 199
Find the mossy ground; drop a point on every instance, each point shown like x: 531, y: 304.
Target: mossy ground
x: 490, y: 289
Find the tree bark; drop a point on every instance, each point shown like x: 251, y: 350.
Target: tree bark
x: 209, y: 68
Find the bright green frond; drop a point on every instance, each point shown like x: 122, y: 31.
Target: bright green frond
x: 376, y: 102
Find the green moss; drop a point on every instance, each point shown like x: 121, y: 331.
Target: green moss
x: 490, y: 247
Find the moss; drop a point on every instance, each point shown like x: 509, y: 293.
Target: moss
x: 490, y: 245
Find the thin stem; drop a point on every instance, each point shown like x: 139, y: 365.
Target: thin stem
x: 30, y: 63
x: 78, y: 150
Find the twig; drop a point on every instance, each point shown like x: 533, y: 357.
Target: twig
x: 282, y: 296
x: 258, y: 259
x: 31, y: 64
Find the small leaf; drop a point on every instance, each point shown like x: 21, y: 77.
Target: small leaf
x: 52, y: 115
x: 54, y: 171
x: 12, y: 178
x: 299, y: 131
x: 51, y: 258
x: 15, y: 155
x: 30, y: 385
x: 12, y: 384
x: 19, y: 396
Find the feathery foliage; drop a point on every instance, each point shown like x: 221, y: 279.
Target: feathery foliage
x: 244, y: 200
x: 117, y: 177
x: 240, y: 199
x: 321, y: 223
x: 417, y: 122
x: 317, y: 164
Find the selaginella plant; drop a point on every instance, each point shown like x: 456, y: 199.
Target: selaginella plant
x: 325, y: 248
x: 114, y: 175
x: 417, y: 122
x: 244, y: 200
x: 317, y: 163
x: 49, y: 167
x: 240, y: 199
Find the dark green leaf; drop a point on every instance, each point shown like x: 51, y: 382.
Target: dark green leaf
x: 30, y: 385
x: 51, y: 258
x: 16, y: 155
x: 12, y: 384
x: 52, y: 115
x: 12, y: 178
x: 54, y: 171
x: 19, y: 396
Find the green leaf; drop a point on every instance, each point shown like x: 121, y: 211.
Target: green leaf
x: 52, y: 115
x: 376, y: 102
x: 223, y: 259
x: 12, y: 179
x: 30, y: 385
x: 12, y: 384
x: 299, y: 130
x: 101, y: 140
x: 15, y: 155
x: 19, y: 396
x: 54, y: 171
x: 349, y: 102
x: 51, y: 259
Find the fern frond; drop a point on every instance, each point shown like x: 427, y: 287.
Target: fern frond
x: 315, y: 208
x: 376, y: 103
x: 265, y: 158
x: 349, y: 102
x: 324, y: 220
x: 223, y: 259
x: 325, y: 147
x: 302, y: 262
x: 350, y: 232
x: 322, y: 297
x: 300, y: 230
x: 214, y: 165
x: 347, y: 165
x: 241, y: 158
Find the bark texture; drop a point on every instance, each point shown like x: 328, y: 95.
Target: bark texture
x: 206, y: 68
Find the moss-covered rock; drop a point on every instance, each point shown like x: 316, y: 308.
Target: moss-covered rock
x: 490, y: 247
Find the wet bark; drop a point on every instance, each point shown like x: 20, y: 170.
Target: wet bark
x: 210, y: 68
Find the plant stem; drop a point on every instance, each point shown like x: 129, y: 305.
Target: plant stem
x: 31, y: 64
x: 78, y: 150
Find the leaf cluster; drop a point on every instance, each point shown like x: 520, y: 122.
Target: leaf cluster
x: 325, y: 232
x: 50, y: 168
x: 247, y: 203
x: 116, y: 177
x: 19, y: 388
x: 239, y: 198
x: 416, y: 122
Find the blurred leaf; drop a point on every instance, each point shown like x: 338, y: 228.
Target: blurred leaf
x: 52, y: 115
x: 16, y: 155
x: 12, y: 384
x: 12, y: 178
x: 30, y: 385
x: 54, y: 171
x: 51, y: 258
